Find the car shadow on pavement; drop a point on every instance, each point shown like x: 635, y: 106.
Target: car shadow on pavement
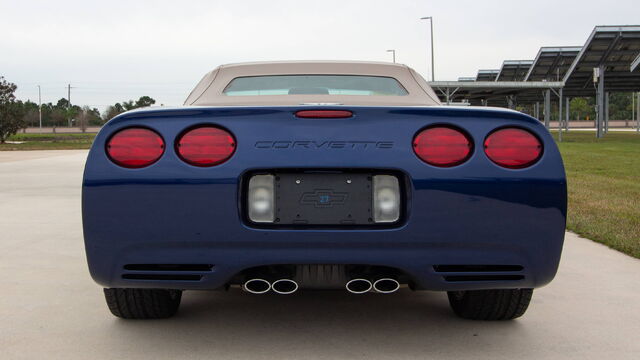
x: 333, y: 323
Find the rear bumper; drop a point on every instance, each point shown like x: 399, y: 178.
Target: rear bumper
x: 416, y: 261
x: 178, y: 224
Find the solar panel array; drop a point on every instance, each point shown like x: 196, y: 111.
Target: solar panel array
x: 614, y: 50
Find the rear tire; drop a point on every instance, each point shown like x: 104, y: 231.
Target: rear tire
x: 490, y: 304
x: 143, y: 303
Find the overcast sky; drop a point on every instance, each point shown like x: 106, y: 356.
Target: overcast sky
x: 111, y: 51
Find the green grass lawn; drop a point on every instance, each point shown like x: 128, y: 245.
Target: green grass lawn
x: 49, y: 141
x: 603, y: 178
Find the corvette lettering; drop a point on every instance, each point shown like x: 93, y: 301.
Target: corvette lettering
x: 324, y: 144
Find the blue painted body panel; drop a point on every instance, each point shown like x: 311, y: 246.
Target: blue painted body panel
x: 174, y: 213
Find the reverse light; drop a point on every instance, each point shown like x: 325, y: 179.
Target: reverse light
x: 513, y: 148
x: 386, y: 199
x: 135, y: 147
x: 442, y: 146
x: 205, y: 146
x: 261, y: 198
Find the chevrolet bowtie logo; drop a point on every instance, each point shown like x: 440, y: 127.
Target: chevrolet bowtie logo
x: 323, y: 198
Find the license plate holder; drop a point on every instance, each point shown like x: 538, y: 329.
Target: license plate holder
x: 323, y: 199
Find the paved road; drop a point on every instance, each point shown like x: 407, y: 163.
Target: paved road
x: 51, y: 309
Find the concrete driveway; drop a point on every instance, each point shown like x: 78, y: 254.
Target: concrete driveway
x: 51, y: 309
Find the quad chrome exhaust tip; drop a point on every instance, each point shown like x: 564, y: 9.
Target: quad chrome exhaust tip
x: 284, y: 286
x: 386, y: 285
x: 359, y: 286
x: 256, y: 286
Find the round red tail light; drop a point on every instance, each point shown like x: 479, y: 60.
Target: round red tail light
x: 442, y: 146
x: 135, y: 147
x: 513, y: 148
x: 206, y: 146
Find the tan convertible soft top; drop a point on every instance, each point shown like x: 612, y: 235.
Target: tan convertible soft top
x: 209, y: 90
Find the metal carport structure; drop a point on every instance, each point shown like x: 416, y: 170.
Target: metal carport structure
x: 604, y: 65
x: 497, y: 93
x: 487, y: 74
x: 608, y: 62
x: 514, y: 70
x: 552, y: 62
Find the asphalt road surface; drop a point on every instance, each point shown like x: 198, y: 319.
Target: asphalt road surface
x: 51, y: 309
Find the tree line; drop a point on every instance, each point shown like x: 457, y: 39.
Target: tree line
x: 620, y: 107
x: 16, y: 114
x: 584, y: 108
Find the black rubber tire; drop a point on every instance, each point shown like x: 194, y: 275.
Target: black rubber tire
x: 490, y: 304
x: 143, y: 303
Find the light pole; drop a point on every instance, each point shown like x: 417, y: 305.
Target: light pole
x: 69, y: 103
x: 430, y: 18
x: 394, y: 55
x: 40, y: 107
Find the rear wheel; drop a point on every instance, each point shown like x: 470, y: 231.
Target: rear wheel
x: 143, y: 303
x: 501, y: 304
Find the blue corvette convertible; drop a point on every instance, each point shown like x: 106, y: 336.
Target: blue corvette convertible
x: 284, y: 176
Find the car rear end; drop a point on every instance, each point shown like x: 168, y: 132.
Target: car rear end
x: 436, y: 198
